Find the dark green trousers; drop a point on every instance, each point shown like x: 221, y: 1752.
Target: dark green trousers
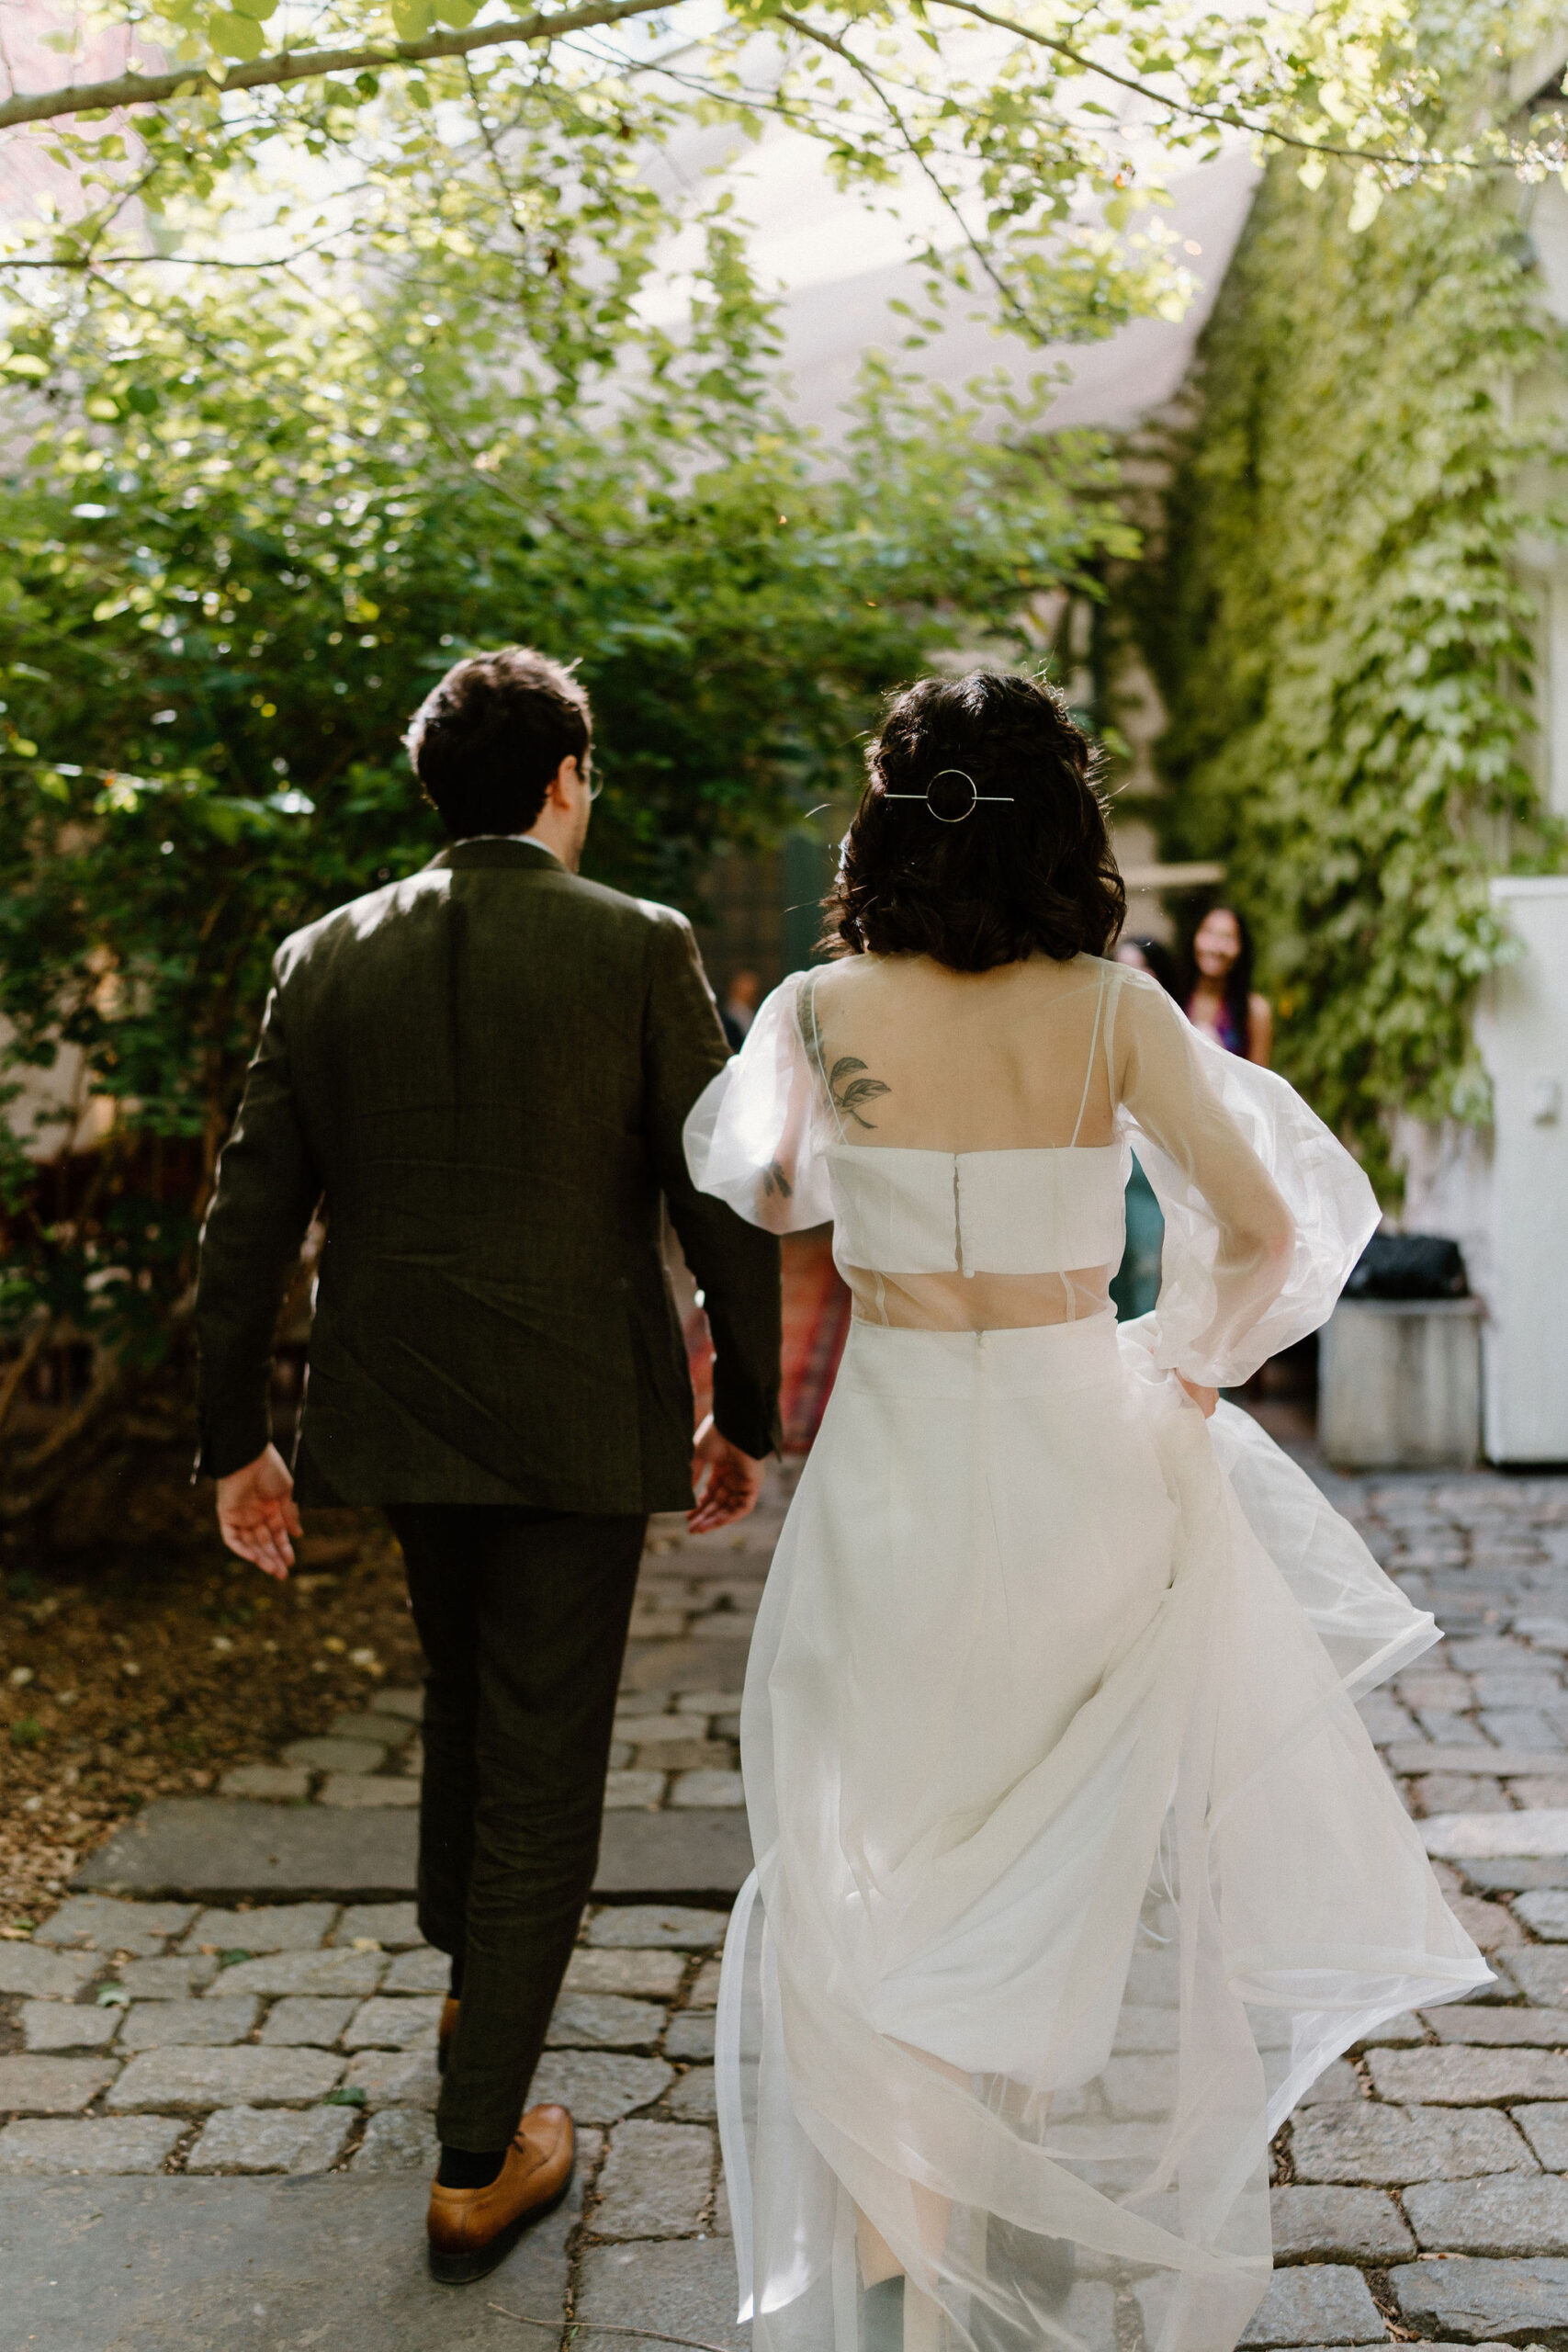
x: 522, y: 1617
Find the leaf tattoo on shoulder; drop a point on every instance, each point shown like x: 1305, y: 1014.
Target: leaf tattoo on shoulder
x: 850, y: 1091
x: 775, y: 1180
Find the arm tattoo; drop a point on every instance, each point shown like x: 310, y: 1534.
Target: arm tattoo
x: 845, y: 1090
x: 849, y: 1095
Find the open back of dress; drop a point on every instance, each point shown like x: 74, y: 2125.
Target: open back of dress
x: 1074, y: 1862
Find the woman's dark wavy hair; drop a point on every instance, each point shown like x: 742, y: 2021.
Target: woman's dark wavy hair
x: 1008, y: 881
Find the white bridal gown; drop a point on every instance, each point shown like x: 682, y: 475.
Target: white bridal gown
x: 1075, y: 1864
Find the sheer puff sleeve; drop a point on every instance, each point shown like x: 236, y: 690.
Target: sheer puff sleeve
x: 1265, y: 1212
x: 753, y: 1136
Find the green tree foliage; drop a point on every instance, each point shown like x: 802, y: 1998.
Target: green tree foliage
x: 352, y: 120
x: 1340, y: 634
x: 243, y: 551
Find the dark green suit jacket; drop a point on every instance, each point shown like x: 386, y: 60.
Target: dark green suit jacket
x: 485, y: 1070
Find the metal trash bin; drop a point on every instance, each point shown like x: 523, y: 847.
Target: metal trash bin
x: 1399, y: 1384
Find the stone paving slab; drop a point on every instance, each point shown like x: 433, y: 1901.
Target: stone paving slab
x: 98, y: 2144
x: 695, y: 2097
x: 302, y: 1972
x: 206, y: 2078
x: 673, y: 1926
x: 599, y: 2086
x: 306, y: 2018
x: 51, y: 1975
x: 394, y: 1926
x: 275, y: 1927
x: 1332, y: 2224
x: 1546, y: 2129
x: 693, y: 1853
x: 398, y: 2139
x: 357, y: 1791
x: 99, y: 1924
x: 53, y: 2086
x: 657, y: 2181
x: 1503, y: 2215
x: 686, y: 2287
x: 424, y: 1971
x: 604, y: 2022
x: 174, y: 1978
x: 1511, y: 2303
x: 1535, y: 2029
x: 1458, y: 2076
x: 334, y: 2262
x: 223, y: 1849
x: 383, y: 2024
x: 165, y: 2025
x: 67, y: 2025
x: 1390, y: 2145
x: 1541, y: 1971
x: 271, y: 2139
x: 658, y: 1973
x: 1326, y: 2302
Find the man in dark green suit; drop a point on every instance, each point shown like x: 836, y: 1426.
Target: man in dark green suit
x: 483, y: 1071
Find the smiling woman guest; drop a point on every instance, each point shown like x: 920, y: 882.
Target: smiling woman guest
x: 1220, y: 1000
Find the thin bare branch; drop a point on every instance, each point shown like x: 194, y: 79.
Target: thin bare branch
x: 309, y: 65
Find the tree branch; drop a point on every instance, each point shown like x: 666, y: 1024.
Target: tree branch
x: 32, y: 1347
x: 1224, y: 117
x: 308, y: 65
x: 827, y: 41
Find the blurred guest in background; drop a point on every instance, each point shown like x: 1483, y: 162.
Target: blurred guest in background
x: 1150, y: 956
x: 739, y: 1008
x: 1219, y: 997
x: 1135, y: 1285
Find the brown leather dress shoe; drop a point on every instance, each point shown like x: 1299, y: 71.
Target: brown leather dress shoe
x: 444, y: 2032
x: 473, y: 2229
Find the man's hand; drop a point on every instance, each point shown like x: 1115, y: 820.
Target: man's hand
x: 728, y: 1482
x: 256, y: 1514
x: 1204, y: 1398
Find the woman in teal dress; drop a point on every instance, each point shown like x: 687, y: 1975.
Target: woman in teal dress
x: 1136, y: 1286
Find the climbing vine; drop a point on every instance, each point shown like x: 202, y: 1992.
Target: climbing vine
x: 1341, y: 632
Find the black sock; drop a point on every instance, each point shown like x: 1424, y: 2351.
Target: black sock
x: 460, y: 2168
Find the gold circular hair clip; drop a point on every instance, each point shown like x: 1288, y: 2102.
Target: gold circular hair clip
x: 975, y: 796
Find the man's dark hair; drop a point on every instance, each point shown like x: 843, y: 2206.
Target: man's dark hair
x: 1027, y: 868
x: 486, y: 741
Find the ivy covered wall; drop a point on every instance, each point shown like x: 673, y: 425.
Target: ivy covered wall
x: 1335, y: 622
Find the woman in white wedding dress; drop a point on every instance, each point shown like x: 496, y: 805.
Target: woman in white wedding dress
x: 1075, y: 1864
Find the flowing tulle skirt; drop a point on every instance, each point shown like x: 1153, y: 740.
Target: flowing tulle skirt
x: 1074, y: 1862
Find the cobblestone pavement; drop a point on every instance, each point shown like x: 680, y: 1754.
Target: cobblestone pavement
x: 1422, y: 2189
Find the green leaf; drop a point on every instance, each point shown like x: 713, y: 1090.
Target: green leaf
x: 260, y: 10
x: 235, y: 36
x: 412, y: 19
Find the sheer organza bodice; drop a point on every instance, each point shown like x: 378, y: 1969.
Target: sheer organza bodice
x: 968, y: 1135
